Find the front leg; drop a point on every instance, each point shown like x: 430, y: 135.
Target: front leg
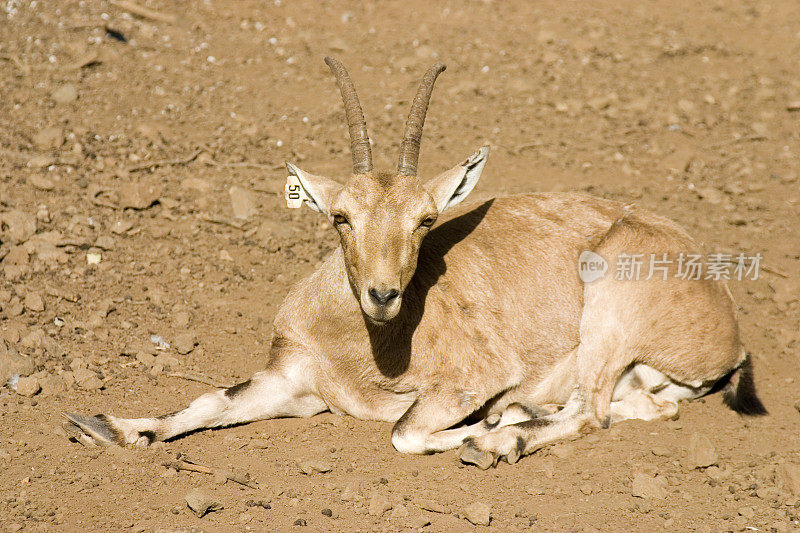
x: 512, y: 441
x: 425, y: 427
x: 280, y: 391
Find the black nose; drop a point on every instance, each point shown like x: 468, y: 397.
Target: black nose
x: 383, y: 297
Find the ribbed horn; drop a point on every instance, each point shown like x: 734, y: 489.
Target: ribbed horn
x: 409, y: 148
x: 359, y: 139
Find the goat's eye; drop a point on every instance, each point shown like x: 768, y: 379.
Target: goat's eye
x: 427, y: 223
x: 340, y: 220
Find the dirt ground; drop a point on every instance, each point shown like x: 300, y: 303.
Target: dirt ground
x: 121, y: 137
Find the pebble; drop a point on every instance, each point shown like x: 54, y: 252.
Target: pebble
x: 16, y: 226
x: 201, y: 502
x: 87, y: 379
x: 121, y: 226
x: 243, y: 202
x: 400, y: 511
x: 66, y: 94
x: 562, y: 451
x: 701, y: 453
x: 661, y: 451
x: 28, y: 386
x: 787, y: 477
x: 711, y: 195
x: 378, y: 504
x: 137, y: 195
x: 747, y: 512
x: 48, y: 138
x: 314, y: 466
x: 41, y: 182
x: 41, y: 161
x: 52, y: 384
x: 181, y: 319
x: 432, y: 506
x: 478, y: 513
x: 12, y: 363
x: 34, y: 302
x: 105, y: 242
x: 184, y: 343
x: 648, y: 487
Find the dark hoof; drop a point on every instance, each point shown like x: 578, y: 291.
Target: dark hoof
x: 96, y: 427
x: 470, y: 454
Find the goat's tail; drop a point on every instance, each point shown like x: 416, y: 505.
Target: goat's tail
x: 739, y: 391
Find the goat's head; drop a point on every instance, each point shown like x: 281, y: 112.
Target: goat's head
x: 382, y: 217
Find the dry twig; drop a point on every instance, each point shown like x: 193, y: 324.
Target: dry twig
x: 182, y: 464
x: 144, y: 12
x: 166, y: 162
x: 199, y: 379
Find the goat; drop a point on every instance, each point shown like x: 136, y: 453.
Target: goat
x: 466, y: 325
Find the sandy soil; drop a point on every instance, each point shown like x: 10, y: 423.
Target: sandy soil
x: 121, y: 137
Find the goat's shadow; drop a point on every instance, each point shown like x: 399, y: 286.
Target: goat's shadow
x: 391, y: 343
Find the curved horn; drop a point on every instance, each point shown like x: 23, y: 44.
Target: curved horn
x: 409, y: 148
x: 359, y: 139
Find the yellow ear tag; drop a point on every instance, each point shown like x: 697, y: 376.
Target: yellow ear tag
x: 294, y: 192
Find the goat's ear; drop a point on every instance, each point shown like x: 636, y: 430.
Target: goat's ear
x: 318, y: 190
x: 452, y: 186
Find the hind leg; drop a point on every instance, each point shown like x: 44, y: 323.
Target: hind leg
x: 269, y: 394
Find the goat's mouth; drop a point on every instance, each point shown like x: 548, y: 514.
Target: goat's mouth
x: 381, y: 314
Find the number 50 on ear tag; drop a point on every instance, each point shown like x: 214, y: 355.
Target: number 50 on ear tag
x: 294, y: 192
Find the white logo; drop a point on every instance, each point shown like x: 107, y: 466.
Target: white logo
x: 591, y: 266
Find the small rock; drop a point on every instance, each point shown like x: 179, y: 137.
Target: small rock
x: 747, y: 512
x: 378, y: 504
x: 243, y: 203
x: 400, y: 511
x: 181, y: 319
x: 34, y: 302
x: 787, y: 477
x: 184, y: 343
x: 432, y: 506
x: 48, y: 138
x: 13, y: 364
x: 41, y: 182
x: 327, y: 512
x: 41, y: 161
x: 478, y: 513
x: 701, y: 453
x: 66, y: 94
x: 661, y: 451
x: 105, y: 242
x: 145, y: 358
x: 167, y: 361
x: 314, y: 466
x: 711, y: 195
x: 138, y: 195
x: 121, y: 226
x: 28, y: 386
x: 16, y: 226
x: 648, y: 487
x: 562, y: 451
x: 52, y: 384
x: 350, y: 493
x: 198, y: 184
x: 87, y: 379
x: 201, y: 502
